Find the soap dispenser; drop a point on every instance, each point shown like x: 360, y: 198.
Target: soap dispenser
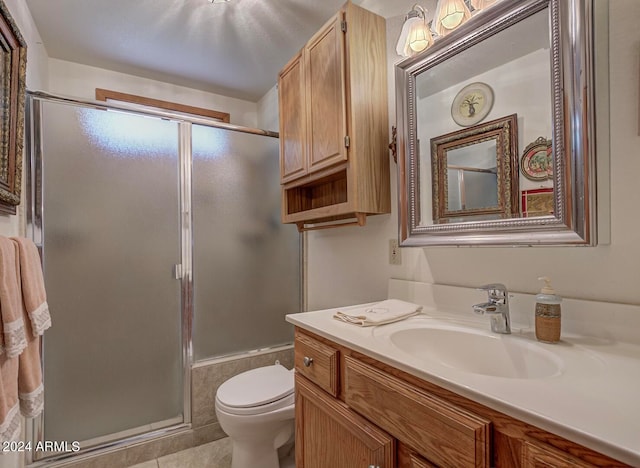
x: 548, y: 313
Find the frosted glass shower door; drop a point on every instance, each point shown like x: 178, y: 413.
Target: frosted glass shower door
x: 246, y: 263
x: 111, y: 236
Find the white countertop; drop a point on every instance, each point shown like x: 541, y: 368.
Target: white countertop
x: 592, y: 400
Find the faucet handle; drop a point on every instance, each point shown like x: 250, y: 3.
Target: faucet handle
x: 495, y: 290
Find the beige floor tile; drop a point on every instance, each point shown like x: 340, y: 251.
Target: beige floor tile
x: 148, y: 464
x: 215, y: 454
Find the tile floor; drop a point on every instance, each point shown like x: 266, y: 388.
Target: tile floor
x: 215, y: 454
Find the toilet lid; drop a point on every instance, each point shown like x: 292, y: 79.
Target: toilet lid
x: 256, y: 387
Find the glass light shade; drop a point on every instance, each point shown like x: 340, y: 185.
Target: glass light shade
x: 414, y: 37
x: 420, y: 37
x: 481, y: 4
x: 449, y: 15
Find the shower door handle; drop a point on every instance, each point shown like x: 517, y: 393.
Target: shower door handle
x: 177, y: 271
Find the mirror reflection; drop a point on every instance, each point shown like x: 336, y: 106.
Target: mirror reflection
x: 474, y: 172
x: 507, y: 73
x: 472, y: 177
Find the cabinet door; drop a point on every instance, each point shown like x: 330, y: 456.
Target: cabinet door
x: 408, y: 458
x: 326, y: 102
x: 328, y: 434
x: 291, y: 96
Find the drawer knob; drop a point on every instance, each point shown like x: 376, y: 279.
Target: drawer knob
x: 307, y: 361
x: 374, y: 466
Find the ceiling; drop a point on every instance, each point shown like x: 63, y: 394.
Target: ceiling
x: 235, y: 49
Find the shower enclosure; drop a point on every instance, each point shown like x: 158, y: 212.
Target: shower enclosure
x: 162, y: 244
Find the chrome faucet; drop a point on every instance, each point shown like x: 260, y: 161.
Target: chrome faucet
x: 497, y: 308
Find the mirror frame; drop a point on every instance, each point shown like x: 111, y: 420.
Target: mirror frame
x: 505, y: 133
x: 14, y: 71
x: 573, y: 135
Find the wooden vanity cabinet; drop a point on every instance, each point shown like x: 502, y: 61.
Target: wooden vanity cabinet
x: 334, y: 160
x: 329, y: 434
x: 354, y: 411
x: 408, y: 458
x: 537, y: 455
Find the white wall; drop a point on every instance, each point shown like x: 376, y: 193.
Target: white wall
x: 80, y: 81
x: 268, y: 111
x: 350, y: 265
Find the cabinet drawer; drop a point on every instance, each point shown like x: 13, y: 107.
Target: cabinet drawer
x: 537, y: 455
x: 318, y: 362
x: 443, y: 433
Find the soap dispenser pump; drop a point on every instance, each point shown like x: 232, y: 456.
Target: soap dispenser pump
x: 548, y: 313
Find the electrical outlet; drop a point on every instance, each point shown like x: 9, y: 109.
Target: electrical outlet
x: 395, y: 254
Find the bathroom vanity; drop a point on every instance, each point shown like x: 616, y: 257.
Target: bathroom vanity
x: 385, y: 397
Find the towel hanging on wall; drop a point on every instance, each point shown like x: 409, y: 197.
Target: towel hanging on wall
x: 24, y: 315
x: 11, y: 308
x: 33, y: 292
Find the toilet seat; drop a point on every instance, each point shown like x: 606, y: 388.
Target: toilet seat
x: 257, y: 391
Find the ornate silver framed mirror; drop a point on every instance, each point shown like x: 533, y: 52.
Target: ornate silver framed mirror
x: 536, y: 58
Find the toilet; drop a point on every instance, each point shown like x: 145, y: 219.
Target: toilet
x: 256, y: 410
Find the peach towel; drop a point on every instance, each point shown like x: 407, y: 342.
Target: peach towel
x: 21, y: 388
x: 33, y: 292
x: 9, y: 408
x: 11, y: 308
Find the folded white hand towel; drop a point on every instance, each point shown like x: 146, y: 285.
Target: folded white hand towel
x: 383, y: 312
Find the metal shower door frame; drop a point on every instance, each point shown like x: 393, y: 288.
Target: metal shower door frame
x: 184, y: 272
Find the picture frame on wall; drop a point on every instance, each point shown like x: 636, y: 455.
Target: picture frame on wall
x: 472, y: 104
x: 536, y: 163
x: 13, y: 83
x: 537, y: 202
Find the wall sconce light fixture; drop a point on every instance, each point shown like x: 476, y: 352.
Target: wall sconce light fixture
x: 415, y: 35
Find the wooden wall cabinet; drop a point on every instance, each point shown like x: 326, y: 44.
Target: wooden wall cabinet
x: 334, y: 161
x: 354, y: 411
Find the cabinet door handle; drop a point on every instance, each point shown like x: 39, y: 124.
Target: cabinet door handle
x: 307, y: 361
x: 374, y: 466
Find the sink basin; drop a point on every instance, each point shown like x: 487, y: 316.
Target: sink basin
x: 476, y: 352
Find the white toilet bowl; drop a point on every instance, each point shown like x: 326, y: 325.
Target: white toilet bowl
x: 256, y: 410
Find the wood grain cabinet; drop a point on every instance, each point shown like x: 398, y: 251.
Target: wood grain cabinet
x: 329, y: 434
x: 537, y: 455
x: 353, y: 411
x: 334, y: 160
x: 439, y: 431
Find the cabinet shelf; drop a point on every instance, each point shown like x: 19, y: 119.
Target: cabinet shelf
x: 331, y: 190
